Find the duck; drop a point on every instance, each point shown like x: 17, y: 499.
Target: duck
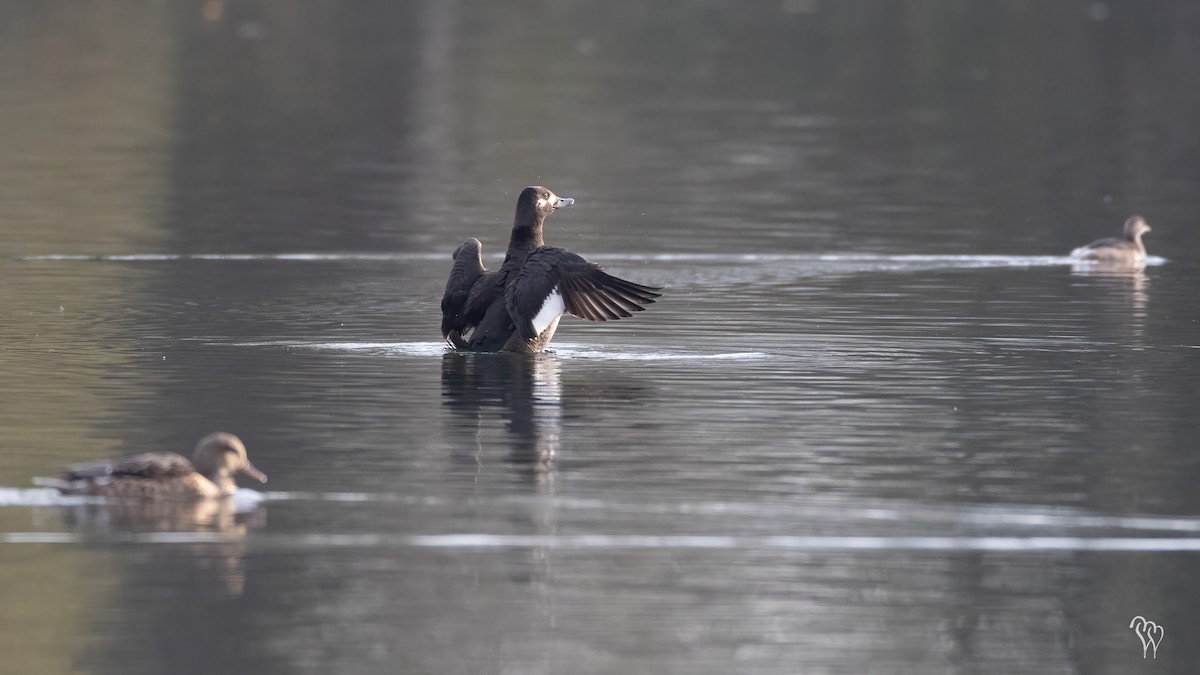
x: 217, y: 458
x: 517, y: 307
x: 1127, y: 249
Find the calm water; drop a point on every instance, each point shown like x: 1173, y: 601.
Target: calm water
x: 877, y: 424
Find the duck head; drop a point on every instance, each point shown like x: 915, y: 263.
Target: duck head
x: 537, y: 202
x: 1135, y: 227
x: 221, y: 456
x: 533, y: 206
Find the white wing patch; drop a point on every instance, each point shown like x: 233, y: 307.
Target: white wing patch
x: 552, y: 308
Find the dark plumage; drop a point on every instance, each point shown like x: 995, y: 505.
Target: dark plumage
x: 163, y: 475
x: 468, y: 267
x: 517, y: 307
x: 1127, y: 249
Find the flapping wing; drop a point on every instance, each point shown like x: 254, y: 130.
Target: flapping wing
x: 553, y: 281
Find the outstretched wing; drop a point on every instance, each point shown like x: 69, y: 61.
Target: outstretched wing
x: 553, y: 281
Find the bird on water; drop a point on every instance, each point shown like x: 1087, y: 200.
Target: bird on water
x: 163, y: 475
x: 517, y: 307
x: 1127, y: 249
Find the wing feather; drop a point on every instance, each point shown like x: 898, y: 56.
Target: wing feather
x: 465, y: 277
x: 587, y: 290
x: 146, y: 465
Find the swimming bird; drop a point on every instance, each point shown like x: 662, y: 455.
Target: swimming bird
x: 517, y: 307
x: 216, y: 460
x: 1127, y: 249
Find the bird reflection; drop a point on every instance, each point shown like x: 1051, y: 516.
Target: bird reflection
x: 135, y: 515
x: 516, y: 398
x: 215, y: 552
x: 1122, y: 278
x: 522, y: 391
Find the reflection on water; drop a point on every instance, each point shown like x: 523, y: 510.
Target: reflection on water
x: 207, y: 515
x: 209, y: 534
x: 1124, y: 282
x: 521, y: 392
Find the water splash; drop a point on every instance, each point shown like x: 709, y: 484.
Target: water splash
x: 42, y: 497
x: 244, y: 500
x: 563, y: 351
x: 384, y: 348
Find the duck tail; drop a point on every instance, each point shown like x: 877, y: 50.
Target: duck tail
x: 59, y: 484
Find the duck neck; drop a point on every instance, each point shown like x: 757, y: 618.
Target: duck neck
x: 525, y: 238
x: 227, y: 486
x: 1137, y: 241
x: 225, y: 483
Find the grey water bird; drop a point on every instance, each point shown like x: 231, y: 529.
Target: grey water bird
x: 517, y: 307
x: 1127, y: 249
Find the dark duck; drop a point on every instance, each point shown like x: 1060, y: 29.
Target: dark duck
x: 517, y: 307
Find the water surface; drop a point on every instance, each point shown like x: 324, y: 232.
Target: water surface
x: 878, y: 423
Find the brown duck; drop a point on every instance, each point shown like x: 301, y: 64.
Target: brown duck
x: 163, y: 475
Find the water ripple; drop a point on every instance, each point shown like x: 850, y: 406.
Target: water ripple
x: 821, y: 543
x: 980, y: 517
x: 883, y: 261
